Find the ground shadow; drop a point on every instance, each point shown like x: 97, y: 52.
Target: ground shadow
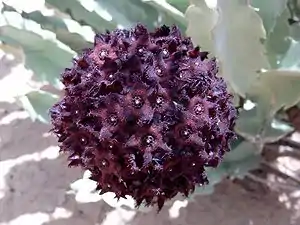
x: 7, y: 63
x: 41, y: 187
x: 35, y: 135
x: 230, y: 204
x: 35, y: 186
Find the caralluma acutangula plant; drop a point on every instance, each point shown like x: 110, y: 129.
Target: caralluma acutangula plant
x: 145, y: 113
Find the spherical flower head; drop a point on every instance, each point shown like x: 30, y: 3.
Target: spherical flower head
x: 145, y: 113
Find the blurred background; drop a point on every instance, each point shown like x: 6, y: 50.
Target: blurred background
x: 257, y: 46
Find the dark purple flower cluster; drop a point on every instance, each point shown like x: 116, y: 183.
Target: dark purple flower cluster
x: 145, y: 113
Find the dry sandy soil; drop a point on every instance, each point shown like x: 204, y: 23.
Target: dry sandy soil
x: 34, y: 183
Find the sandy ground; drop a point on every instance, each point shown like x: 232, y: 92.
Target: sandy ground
x: 35, y: 184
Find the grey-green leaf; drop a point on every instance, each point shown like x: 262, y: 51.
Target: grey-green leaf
x: 124, y: 13
x: 269, y: 11
x: 244, y: 158
x: 273, y: 90
x: 37, y: 104
x: 68, y: 31
x: 181, y: 5
x: 168, y: 9
x: 241, y: 168
x: 238, y: 44
x: 45, y: 55
x: 276, y: 130
x: 236, y: 164
x: 251, y: 123
x: 279, y: 88
x: 291, y: 59
x: 127, y: 13
x: 85, y: 12
x: 278, y: 41
x: 258, y: 124
x: 242, y: 151
x: 201, y: 21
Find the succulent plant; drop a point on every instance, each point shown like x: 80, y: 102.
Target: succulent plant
x: 257, y: 48
x: 145, y: 112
